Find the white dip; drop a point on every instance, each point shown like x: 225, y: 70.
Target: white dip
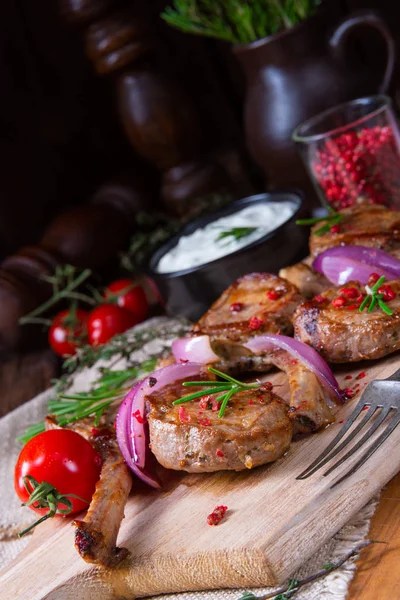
x: 203, y: 246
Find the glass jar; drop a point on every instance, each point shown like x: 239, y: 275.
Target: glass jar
x: 352, y: 153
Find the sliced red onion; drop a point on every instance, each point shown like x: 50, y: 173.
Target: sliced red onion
x: 341, y: 270
x: 194, y: 349
x: 377, y: 260
x: 304, y: 353
x: 132, y: 427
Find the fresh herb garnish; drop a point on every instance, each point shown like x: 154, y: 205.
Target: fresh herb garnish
x: 229, y: 386
x: 111, y: 384
x: 236, y: 233
x: 45, y: 495
x: 294, y: 585
x: 373, y: 297
x: 334, y: 218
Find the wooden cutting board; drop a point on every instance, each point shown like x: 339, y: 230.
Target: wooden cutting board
x: 273, y: 524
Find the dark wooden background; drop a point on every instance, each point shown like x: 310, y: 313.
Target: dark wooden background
x: 60, y: 137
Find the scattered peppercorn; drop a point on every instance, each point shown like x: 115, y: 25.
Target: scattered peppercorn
x: 255, y: 323
x: 138, y: 417
x: 236, y: 307
x: 338, y: 302
x: 217, y: 515
x: 273, y: 295
x: 183, y: 415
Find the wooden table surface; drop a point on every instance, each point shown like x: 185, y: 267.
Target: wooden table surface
x: 377, y: 576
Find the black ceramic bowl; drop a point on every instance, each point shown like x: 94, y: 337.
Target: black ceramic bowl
x: 189, y: 293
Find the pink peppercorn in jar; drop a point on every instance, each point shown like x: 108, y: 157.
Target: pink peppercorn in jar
x: 352, y: 153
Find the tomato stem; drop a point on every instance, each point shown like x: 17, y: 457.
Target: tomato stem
x: 45, y: 495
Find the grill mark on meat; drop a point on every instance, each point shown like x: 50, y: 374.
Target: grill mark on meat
x: 373, y: 226
x: 250, y: 294
x: 342, y: 335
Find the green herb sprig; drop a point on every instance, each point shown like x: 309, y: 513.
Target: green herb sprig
x: 111, y: 384
x: 45, y: 495
x: 237, y: 22
x: 334, y: 218
x: 373, y: 298
x: 65, y: 282
x: 236, y: 233
x: 294, y: 585
x: 229, y: 386
x: 111, y: 387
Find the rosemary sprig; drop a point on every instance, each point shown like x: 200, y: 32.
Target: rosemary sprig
x: 236, y: 233
x: 334, y: 218
x: 373, y: 297
x: 111, y: 381
x: 294, y: 585
x: 229, y: 385
x: 109, y: 388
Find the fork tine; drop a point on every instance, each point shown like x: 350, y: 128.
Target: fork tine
x: 382, y: 416
x: 378, y: 442
x: 316, y: 464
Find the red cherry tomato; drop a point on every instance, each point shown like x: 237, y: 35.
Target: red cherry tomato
x: 66, y: 329
x: 108, y: 320
x: 129, y: 295
x: 64, y: 459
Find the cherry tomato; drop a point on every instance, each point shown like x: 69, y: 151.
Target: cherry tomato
x: 129, y: 295
x: 62, y: 458
x: 66, y: 329
x: 108, y: 320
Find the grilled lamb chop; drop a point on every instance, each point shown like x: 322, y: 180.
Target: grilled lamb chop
x: 254, y: 304
x: 373, y: 226
x: 342, y: 335
x: 254, y: 430
x: 309, y: 283
x: 96, y: 535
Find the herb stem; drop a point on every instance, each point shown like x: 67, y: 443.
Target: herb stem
x: 293, y: 585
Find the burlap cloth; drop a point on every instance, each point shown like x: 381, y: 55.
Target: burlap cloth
x: 13, y: 518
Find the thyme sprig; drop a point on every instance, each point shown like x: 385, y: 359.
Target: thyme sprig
x: 294, y: 585
x: 229, y: 386
x: 111, y: 387
x: 112, y: 384
x: 334, y: 218
x: 65, y: 283
x: 373, y: 297
x: 236, y: 233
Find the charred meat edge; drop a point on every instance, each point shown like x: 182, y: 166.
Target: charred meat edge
x: 96, y: 535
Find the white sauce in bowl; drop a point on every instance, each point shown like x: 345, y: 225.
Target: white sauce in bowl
x: 202, y: 246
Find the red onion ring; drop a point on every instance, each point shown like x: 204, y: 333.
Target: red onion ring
x: 341, y: 270
x: 132, y: 431
x: 304, y: 353
x: 195, y: 349
x: 353, y: 259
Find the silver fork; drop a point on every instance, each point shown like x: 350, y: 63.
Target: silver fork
x: 380, y: 394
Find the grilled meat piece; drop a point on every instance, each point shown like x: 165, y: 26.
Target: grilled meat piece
x: 254, y: 304
x: 309, y: 283
x: 254, y: 430
x: 310, y: 401
x: 342, y: 335
x: 96, y: 535
x: 373, y: 226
